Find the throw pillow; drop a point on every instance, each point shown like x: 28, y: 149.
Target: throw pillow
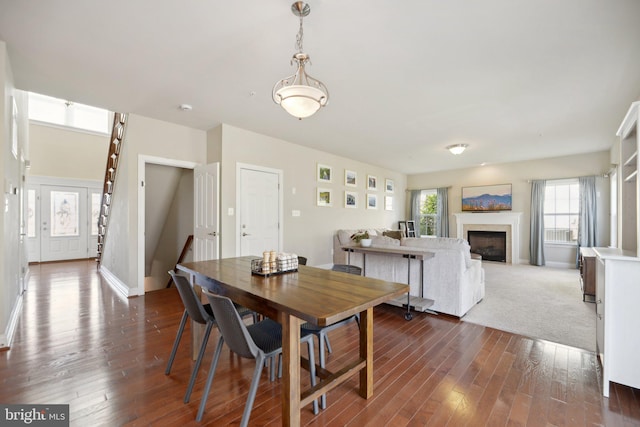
x: 394, y: 234
x: 384, y: 241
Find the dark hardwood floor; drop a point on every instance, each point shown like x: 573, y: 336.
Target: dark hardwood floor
x: 81, y: 344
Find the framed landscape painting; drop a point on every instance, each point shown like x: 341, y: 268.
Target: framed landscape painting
x: 350, y: 178
x: 388, y: 185
x: 372, y: 201
x: 486, y: 198
x: 350, y: 199
x: 323, y: 197
x: 372, y: 183
x: 324, y: 173
x: 388, y: 203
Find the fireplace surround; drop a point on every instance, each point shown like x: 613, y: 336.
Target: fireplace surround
x: 508, y: 222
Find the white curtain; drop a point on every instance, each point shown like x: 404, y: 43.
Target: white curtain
x: 536, y: 240
x: 442, y: 226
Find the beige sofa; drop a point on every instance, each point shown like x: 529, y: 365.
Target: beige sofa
x: 451, y: 278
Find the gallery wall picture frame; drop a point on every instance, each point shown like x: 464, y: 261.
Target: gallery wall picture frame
x: 324, y: 173
x: 388, y: 203
x: 350, y: 199
x: 372, y: 183
x: 350, y: 178
x: 323, y: 197
x: 388, y: 185
x: 372, y: 201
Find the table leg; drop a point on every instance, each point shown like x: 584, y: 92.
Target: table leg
x: 366, y: 352
x: 291, y: 369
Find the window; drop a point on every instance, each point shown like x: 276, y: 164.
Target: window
x: 65, y: 219
x: 428, y: 213
x: 59, y: 112
x: 561, y: 211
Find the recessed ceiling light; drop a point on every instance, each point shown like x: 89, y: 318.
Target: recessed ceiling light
x: 185, y: 107
x: 457, y: 148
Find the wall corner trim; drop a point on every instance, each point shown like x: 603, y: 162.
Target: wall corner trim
x: 6, y: 338
x: 118, y: 285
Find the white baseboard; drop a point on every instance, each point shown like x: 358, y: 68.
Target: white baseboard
x: 6, y: 338
x: 561, y: 265
x: 118, y: 285
x: 552, y: 264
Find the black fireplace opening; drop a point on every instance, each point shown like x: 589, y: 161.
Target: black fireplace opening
x: 492, y: 245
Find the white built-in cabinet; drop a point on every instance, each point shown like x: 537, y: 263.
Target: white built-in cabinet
x: 617, y: 321
x: 618, y: 272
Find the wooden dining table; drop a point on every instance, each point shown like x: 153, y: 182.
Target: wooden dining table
x: 309, y: 294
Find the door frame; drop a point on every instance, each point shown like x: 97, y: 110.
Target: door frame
x: 142, y: 164
x: 279, y: 172
x: 39, y: 180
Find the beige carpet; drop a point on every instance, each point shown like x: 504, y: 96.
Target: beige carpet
x: 538, y: 302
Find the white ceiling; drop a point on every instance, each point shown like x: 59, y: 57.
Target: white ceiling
x: 514, y: 79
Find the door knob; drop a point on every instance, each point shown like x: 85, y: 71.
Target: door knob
x: 213, y: 233
x: 245, y: 234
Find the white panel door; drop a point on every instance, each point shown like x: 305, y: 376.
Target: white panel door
x: 259, y: 212
x: 206, y: 235
x: 63, y: 217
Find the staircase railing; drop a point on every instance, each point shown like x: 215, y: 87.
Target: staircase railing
x: 115, y: 147
x: 185, y: 249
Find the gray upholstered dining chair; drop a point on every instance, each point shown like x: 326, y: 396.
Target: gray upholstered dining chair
x: 322, y: 331
x: 259, y: 341
x: 199, y: 313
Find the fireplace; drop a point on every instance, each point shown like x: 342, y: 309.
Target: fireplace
x: 492, y: 245
x: 506, y: 222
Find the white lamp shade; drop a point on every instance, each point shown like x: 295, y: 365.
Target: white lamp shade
x: 301, y: 101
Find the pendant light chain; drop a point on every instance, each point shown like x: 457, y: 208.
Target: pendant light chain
x: 300, y: 37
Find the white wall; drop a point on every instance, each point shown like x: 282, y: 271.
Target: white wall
x: 66, y: 153
x: 12, y: 253
x: 518, y: 174
x: 310, y: 234
x: 144, y: 137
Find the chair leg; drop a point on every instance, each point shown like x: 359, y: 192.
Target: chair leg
x: 312, y: 371
x: 272, y: 372
x: 326, y: 340
x: 321, y: 342
x: 194, y: 374
x: 207, y: 386
x: 252, y: 390
x: 176, y: 342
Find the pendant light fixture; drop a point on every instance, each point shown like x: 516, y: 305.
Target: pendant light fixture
x: 300, y: 94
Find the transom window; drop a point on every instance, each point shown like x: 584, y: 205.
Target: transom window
x: 561, y: 211
x: 58, y: 112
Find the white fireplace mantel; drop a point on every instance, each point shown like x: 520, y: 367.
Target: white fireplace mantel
x: 466, y: 221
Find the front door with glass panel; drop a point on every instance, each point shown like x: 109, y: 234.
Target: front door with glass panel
x: 63, y: 223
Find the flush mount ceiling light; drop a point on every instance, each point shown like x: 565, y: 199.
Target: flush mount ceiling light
x: 300, y: 94
x: 457, y: 148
